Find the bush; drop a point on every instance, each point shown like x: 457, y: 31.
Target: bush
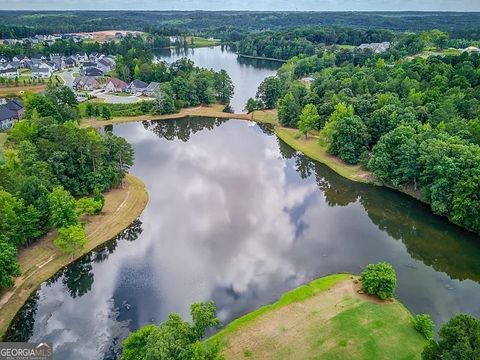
x: 424, y: 325
x: 380, y: 280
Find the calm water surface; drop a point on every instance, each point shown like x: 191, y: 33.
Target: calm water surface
x: 246, y: 74
x: 237, y: 216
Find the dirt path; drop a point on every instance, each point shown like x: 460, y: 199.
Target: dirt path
x: 214, y: 111
x: 42, y: 260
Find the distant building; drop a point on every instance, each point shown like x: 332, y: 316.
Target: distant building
x: 118, y: 35
x: 115, y: 85
x: 41, y: 72
x: 10, y: 112
x: 86, y: 83
x: 137, y: 86
x: 92, y: 71
x: 9, y: 73
x: 105, y: 64
x: 151, y: 89
x: 376, y: 47
x: 70, y: 62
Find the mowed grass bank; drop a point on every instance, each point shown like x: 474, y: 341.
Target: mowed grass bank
x: 325, y: 319
x: 311, y: 148
x: 43, y: 259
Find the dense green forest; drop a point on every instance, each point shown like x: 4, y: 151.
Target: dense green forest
x: 51, y: 168
x: 287, y: 43
x: 413, y: 123
x: 228, y: 24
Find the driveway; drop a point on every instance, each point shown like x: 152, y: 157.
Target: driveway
x: 115, y: 99
x: 67, y: 77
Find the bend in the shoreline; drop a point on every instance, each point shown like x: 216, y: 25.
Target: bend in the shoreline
x: 43, y: 260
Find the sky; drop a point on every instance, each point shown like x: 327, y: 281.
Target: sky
x: 260, y: 5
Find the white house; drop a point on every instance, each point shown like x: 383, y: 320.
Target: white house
x: 9, y: 73
x: 41, y: 72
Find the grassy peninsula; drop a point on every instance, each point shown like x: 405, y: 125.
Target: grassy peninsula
x: 325, y: 319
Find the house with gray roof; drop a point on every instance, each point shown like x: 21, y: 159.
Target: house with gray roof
x: 92, y: 71
x: 86, y: 83
x: 151, y: 89
x: 137, y: 86
x: 10, y: 112
x: 41, y: 72
x: 9, y: 73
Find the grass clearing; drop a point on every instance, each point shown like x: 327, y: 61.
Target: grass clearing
x: 3, y: 138
x: 196, y: 41
x: 325, y: 319
x: 42, y: 260
x: 311, y: 148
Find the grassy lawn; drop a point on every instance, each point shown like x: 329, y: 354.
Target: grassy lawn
x: 315, y: 151
x: 42, y: 260
x: 3, y: 138
x: 325, y: 319
x: 202, y: 42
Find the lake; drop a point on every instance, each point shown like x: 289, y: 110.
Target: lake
x: 237, y: 216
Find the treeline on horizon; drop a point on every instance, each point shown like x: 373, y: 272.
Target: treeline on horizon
x: 17, y: 24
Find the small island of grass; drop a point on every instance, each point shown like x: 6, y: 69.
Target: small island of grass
x: 326, y: 319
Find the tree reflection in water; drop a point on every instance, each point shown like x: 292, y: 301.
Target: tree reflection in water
x: 77, y: 278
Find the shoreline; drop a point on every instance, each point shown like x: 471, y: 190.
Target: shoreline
x: 42, y: 260
x: 286, y: 326
x: 261, y: 58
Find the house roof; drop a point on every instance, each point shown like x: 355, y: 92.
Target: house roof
x: 14, y: 105
x: 91, y: 71
x: 152, y: 86
x: 139, y: 84
x: 85, y: 81
x: 6, y: 113
x: 7, y: 71
x: 117, y: 83
x: 42, y: 70
x: 105, y: 62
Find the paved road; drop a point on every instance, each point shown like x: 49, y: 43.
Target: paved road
x: 67, y: 77
x: 114, y: 99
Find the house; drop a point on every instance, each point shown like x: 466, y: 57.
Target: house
x: 16, y: 64
x: 92, y: 71
x: 118, y: 35
x: 7, y: 117
x: 115, y: 85
x: 81, y: 58
x: 105, y: 65
x: 5, y: 66
x: 17, y: 58
x: 9, y: 73
x: 151, y: 89
x: 56, y: 62
x: 376, y: 47
x: 9, y: 113
x: 16, y: 106
x: 70, y: 62
x: 87, y: 64
x: 39, y: 57
x: 3, y: 60
x: 137, y: 86
x: 41, y: 72
x: 86, y: 83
